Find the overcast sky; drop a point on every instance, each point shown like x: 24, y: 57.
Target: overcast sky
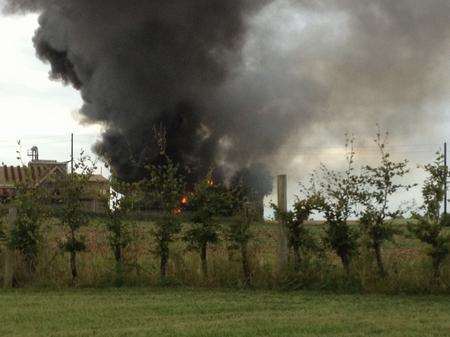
x: 34, y: 109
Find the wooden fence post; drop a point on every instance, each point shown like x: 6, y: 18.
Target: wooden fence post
x: 8, y: 275
x: 282, y: 233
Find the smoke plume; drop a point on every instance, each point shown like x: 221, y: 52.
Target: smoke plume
x: 144, y: 64
x: 241, y: 82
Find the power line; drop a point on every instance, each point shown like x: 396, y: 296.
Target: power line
x: 363, y: 153
x: 313, y: 147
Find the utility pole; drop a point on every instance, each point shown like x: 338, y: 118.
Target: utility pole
x: 283, y: 250
x: 446, y: 176
x: 71, y: 153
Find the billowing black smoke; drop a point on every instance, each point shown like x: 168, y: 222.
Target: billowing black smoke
x: 239, y: 82
x: 146, y: 65
x: 256, y: 179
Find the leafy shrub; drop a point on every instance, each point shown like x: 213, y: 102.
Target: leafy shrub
x: 207, y: 203
x: 117, y: 223
x: 377, y: 186
x: 239, y: 235
x: 299, y: 238
x: 338, y: 192
x: 71, y: 189
x: 165, y: 188
x: 430, y: 227
x: 25, y: 235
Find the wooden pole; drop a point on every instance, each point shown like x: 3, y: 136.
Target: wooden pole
x: 71, y: 153
x: 8, y: 276
x: 445, y: 183
x: 282, y: 234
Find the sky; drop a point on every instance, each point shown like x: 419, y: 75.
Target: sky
x: 41, y: 112
x: 35, y: 110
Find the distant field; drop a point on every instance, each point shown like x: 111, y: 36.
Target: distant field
x: 408, y: 266
x: 167, y: 312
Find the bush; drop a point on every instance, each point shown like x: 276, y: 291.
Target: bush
x: 25, y: 235
x: 377, y: 186
x: 338, y: 193
x: 70, y: 191
x: 429, y: 227
x: 165, y: 188
x: 299, y: 238
x: 207, y: 203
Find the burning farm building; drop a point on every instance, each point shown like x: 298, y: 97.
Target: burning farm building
x: 153, y: 63
x: 240, y: 82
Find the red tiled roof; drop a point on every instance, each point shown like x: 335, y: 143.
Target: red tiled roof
x: 12, y: 175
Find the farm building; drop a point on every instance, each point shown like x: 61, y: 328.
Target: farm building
x: 97, y: 194
x: 42, y: 173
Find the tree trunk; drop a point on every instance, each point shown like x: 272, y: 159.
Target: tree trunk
x: 73, y: 266
x: 436, y: 271
x: 297, y: 258
x: 118, y: 254
x: 204, y: 259
x: 379, y: 258
x: 246, y: 266
x: 73, y: 258
x: 164, y: 262
x: 345, y: 259
x: 31, y: 264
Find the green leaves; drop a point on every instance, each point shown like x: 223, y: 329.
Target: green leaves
x: 337, y: 196
x: 207, y: 203
x: 299, y: 237
x: 433, y: 190
x: 164, y: 186
x: 202, y: 233
x: 118, y: 219
x: 69, y: 192
x: 73, y: 244
x: 163, y: 189
x: 31, y: 204
x: 377, y: 186
x: 430, y: 227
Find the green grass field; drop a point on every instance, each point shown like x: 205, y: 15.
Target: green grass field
x: 169, y: 312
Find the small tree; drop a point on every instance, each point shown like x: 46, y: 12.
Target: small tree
x: 117, y: 224
x: 338, y: 191
x: 207, y: 203
x: 30, y: 202
x: 380, y: 183
x: 71, y: 189
x: 299, y: 238
x: 430, y: 227
x: 239, y: 235
x: 165, y: 189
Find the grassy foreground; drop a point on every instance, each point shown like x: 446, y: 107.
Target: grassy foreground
x: 144, y: 312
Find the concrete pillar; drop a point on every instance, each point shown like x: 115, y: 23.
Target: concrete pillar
x: 282, y: 232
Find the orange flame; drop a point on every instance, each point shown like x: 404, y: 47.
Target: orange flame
x: 184, y: 200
